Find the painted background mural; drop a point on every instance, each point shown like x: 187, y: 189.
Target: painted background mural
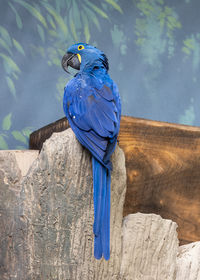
x: 153, y: 48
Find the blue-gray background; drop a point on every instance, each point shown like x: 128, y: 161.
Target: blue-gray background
x: 153, y: 48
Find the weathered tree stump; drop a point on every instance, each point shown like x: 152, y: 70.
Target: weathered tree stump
x: 52, y: 217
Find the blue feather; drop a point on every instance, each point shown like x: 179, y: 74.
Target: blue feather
x: 92, y: 106
x: 101, y: 197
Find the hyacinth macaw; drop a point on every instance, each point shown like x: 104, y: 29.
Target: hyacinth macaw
x: 92, y: 106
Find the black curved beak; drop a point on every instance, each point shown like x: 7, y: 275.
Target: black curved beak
x: 70, y: 59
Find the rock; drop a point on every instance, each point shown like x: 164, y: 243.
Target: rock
x: 149, y: 248
x: 188, y: 262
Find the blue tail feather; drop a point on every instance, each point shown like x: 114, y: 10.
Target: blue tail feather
x: 106, y: 220
x: 101, y: 197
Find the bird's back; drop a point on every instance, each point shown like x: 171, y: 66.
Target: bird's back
x: 92, y: 105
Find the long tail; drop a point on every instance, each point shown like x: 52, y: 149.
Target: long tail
x: 101, y: 196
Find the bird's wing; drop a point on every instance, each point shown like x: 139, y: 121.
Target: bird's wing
x: 94, y: 116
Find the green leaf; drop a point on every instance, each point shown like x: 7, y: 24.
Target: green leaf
x: 186, y: 50
x: 19, y: 21
x: 5, y: 46
x: 50, y: 20
x: 17, y: 16
x: 5, y: 35
x: 53, y: 33
x: 87, y: 32
x: 15, y: 76
x: 3, y: 144
x: 19, y: 136
x: 11, y: 86
x: 18, y: 47
x: 6, y: 124
x: 41, y: 32
x: 12, y: 65
x: 189, y: 43
x: 92, y: 16
x: 57, y: 18
x: 97, y: 10
x: 32, y: 10
x: 27, y: 131
x: 115, y: 5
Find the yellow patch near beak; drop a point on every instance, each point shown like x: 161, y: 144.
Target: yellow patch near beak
x: 79, y: 57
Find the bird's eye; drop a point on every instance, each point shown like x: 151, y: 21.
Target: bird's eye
x: 80, y: 47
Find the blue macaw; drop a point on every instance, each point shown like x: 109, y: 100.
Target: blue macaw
x: 92, y: 106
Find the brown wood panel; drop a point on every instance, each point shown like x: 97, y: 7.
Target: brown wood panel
x: 163, y: 170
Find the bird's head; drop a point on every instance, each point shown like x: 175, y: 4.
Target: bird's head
x: 83, y: 56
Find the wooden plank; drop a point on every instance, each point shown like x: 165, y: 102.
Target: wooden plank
x: 38, y: 137
x: 163, y: 170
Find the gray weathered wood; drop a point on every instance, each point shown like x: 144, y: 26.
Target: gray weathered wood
x: 188, y: 262
x: 13, y: 166
x: 149, y: 248
x: 52, y: 226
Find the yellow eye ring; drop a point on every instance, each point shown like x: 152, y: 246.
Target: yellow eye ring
x: 80, y: 47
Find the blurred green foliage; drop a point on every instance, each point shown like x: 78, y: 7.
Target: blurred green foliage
x: 147, y: 31
x: 155, y: 29
x: 188, y: 116
x: 191, y: 48
x: 21, y: 137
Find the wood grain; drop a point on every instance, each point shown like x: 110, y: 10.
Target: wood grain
x: 188, y: 262
x: 163, y: 170
x: 149, y: 248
